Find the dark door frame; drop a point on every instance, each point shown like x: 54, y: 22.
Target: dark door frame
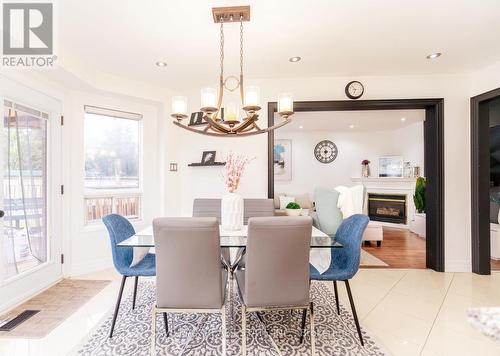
x: 480, y: 183
x: 433, y: 158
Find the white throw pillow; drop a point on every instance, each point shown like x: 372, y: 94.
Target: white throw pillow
x: 139, y: 253
x: 284, y: 201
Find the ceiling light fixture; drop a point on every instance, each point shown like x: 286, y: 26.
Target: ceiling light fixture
x: 161, y: 64
x: 403, y: 119
x: 434, y: 55
x: 301, y: 127
x: 221, y: 118
x: 294, y: 59
x: 351, y: 126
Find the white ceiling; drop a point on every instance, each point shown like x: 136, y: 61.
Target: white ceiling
x: 376, y: 120
x: 334, y: 37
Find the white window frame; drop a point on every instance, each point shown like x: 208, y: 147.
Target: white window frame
x: 116, y: 193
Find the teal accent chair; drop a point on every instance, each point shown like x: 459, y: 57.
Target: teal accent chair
x: 328, y: 216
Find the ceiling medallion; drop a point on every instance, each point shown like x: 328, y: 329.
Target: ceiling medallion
x: 221, y: 118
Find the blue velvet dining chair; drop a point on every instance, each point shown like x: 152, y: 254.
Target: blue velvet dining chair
x: 119, y: 229
x: 345, y: 261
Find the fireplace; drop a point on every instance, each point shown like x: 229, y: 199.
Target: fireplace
x: 387, y: 207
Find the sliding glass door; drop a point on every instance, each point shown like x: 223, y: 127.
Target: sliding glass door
x: 30, y: 173
x: 24, y: 171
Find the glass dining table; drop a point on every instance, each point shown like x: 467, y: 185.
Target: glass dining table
x: 229, y: 238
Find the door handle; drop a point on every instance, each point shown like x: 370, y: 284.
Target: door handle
x: 2, y: 213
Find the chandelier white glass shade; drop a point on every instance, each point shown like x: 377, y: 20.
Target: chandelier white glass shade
x: 225, y: 119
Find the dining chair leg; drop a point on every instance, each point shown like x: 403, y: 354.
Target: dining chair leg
x: 303, y: 325
x: 117, y: 307
x: 354, y: 314
x: 135, y: 291
x: 243, y: 330
x: 313, y: 333
x: 165, y: 320
x: 223, y: 316
x: 336, y: 296
x: 153, y: 332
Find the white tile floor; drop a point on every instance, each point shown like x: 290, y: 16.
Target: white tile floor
x: 411, y: 312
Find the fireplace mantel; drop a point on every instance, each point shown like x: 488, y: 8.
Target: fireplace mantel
x: 384, y: 179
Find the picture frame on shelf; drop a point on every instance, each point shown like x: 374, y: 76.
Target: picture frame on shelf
x: 208, y: 157
x: 390, y: 167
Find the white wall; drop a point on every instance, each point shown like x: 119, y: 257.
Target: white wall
x: 353, y: 147
x: 453, y: 88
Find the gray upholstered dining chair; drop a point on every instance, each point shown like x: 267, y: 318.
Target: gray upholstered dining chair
x: 189, y: 276
x: 276, y: 276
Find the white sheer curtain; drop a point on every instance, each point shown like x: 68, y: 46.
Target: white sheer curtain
x: 24, y: 162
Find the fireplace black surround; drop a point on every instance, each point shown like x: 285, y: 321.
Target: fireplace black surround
x: 387, y: 208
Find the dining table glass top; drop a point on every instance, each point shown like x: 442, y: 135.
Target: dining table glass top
x: 236, y: 238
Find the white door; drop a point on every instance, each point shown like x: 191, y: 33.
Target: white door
x: 30, y: 197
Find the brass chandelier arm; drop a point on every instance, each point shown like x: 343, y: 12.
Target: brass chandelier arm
x: 233, y: 134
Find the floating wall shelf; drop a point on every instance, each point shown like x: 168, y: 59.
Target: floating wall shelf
x: 206, y: 164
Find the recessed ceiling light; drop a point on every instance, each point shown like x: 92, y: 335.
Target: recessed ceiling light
x: 351, y: 126
x: 403, y: 119
x: 294, y: 59
x: 434, y: 55
x: 301, y: 127
x: 161, y: 64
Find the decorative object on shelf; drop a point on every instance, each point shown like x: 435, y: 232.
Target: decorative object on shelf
x: 419, y: 196
x: 390, y: 166
x: 293, y: 209
x: 416, y: 171
x: 282, y: 153
x: 354, y: 90
x: 196, y: 119
x: 365, y: 168
x: 326, y: 151
x: 232, y: 124
x: 208, y: 157
x: 173, y: 167
x: 407, y: 170
x: 207, y: 160
x: 496, y: 199
x: 232, y: 203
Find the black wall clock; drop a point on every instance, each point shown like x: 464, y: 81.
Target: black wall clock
x: 354, y: 89
x: 326, y: 151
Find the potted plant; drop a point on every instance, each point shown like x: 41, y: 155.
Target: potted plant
x: 365, y: 168
x: 293, y: 209
x: 419, y: 200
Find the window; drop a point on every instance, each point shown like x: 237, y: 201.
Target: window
x: 112, y: 163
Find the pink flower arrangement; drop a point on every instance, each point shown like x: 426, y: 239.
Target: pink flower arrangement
x: 365, y: 162
x: 233, y: 170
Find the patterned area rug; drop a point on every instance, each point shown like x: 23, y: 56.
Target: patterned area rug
x: 336, y: 334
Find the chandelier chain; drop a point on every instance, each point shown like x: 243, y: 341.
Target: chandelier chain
x: 241, y: 44
x: 222, y: 48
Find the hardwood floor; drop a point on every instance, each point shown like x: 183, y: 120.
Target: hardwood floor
x: 400, y: 249
x: 495, y: 265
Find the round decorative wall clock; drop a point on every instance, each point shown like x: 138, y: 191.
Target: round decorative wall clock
x: 354, y: 89
x: 326, y: 151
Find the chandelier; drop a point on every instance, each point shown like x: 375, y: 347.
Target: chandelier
x: 224, y: 119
